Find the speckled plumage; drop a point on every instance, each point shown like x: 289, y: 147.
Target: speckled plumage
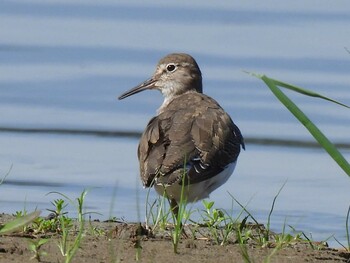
x: 193, y: 126
x: 192, y: 138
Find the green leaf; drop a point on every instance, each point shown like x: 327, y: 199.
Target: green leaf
x: 17, y: 223
x: 312, y: 128
x: 306, y: 92
x: 297, y: 89
x: 43, y: 241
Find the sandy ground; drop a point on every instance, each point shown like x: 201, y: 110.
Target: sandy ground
x: 128, y: 242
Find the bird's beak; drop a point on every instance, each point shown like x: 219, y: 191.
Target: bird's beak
x: 148, y: 84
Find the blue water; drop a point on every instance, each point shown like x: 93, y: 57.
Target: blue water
x: 63, y: 63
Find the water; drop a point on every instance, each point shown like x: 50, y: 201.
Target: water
x: 63, y: 63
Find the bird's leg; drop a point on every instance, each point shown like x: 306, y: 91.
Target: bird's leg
x: 175, y: 210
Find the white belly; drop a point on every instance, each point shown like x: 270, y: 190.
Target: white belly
x: 197, y: 191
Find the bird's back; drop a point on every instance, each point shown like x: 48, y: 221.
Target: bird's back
x: 192, y: 134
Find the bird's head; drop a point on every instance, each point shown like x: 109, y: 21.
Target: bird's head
x: 175, y: 74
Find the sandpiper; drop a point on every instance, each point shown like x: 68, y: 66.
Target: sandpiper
x: 192, y: 141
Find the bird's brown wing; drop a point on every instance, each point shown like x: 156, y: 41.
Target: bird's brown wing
x: 151, y: 151
x: 198, y: 137
x: 165, y: 146
x: 218, y: 141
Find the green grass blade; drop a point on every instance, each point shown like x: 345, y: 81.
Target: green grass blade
x: 271, y: 210
x: 348, y: 228
x: 8, y: 172
x: 315, y: 132
x: 298, y: 89
x: 17, y: 223
x: 307, y: 92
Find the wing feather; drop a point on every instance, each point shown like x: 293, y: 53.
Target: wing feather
x: 193, y: 133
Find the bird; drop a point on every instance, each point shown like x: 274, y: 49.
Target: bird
x: 190, y: 148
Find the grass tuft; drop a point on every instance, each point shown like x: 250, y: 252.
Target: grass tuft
x: 68, y: 249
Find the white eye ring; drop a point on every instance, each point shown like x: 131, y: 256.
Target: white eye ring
x: 171, y: 67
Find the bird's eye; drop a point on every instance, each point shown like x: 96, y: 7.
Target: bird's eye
x: 170, y: 67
